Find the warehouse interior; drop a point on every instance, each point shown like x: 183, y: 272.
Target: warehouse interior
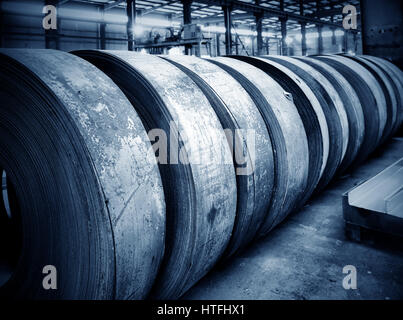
x: 304, y: 256
x: 254, y: 28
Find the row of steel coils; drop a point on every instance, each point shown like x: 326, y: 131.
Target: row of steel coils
x: 133, y: 174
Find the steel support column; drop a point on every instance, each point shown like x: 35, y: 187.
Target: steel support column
x: 131, y: 20
x: 217, y: 37
x: 236, y: 44
x: 320, y: 39
x: 283, y: 36
x: 267, y: 46
x: 345, y: 41
x: 187, y: 19
x: 303, y: 39
x: 227, y: 22
x: 259, y: 39
x: 51, y: 35
x: 218, y: 43
x: 303, y: 28
x: 283, y: 21
x: 333, y: 32
x: 320, y: 27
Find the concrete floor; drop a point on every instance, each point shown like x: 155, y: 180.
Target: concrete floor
x: 303, y: 258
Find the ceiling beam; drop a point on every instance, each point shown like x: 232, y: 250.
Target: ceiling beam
x: 147, y: 11
x: 253, y: 8
x: 113, y: 4
x: 198, y: 8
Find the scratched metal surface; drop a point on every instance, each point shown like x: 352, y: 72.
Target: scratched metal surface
x: 118, y: 147
x: 352, y: 105
x: 390, y: 98
x: 379, y: 104
x: 315, y: 105
x: 202, y: 194
x: 288, y: 139
x: 338, y: 103
x: 396, y: 76
x: 254, y: 188
x: 332, y: 119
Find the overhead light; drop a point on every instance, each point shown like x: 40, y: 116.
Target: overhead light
x: 327, y: 33
x: 312, y: 35
x: 298, y: 37
x: 339, y: 32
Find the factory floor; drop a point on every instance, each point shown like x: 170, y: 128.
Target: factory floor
x: 303, y: 258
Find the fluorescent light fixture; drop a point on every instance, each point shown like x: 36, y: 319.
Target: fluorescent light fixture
x: 339, y: 32
x: 312, y: 35
x: 298, y: 37
x: 327, y: 33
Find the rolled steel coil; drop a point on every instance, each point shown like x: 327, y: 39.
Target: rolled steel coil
x: 88, y: 196
x: 351, y: 73
x: 311, y: 114
x: 352, y: 106
x: 288, y: 137
x: 200, y: 195
x: 396, y: 76
x: 237, y: 112
x: 338, y: 129
x: 390, y: 98
x: 134, y: 174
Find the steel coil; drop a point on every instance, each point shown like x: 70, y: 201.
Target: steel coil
x: 200, y: 195
x: 310, y: 112
x: 133, y: 175
x: 390, y: 98
x: 90, y: 200
x: 288, y: 137
x: 395, y: 75
x: 338, y: 131
x: 237, y: 112
x: 367, y: 100
x: 352, y: 106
